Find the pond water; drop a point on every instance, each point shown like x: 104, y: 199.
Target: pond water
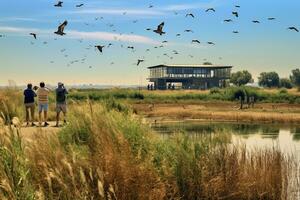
x: 286, y: 137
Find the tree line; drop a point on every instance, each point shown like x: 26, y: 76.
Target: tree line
x: 267, y: 79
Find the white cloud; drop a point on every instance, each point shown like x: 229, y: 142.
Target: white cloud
x: 141, y: 12
x: 198, y: 5
x: 10, y: 29
x: 25, y: 19
x: 107, y: 36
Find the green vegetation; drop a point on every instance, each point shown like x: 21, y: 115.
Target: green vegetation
x: 295, y: 77
x: 286, y: 83
x: 215, y: 94
x: 241, y: 78
x: 105, y: 153
x: 268, y: 79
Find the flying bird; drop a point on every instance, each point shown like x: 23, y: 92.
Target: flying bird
x: 159, y: 29
x: 130, y: 47
x: 228, y: 20
x: 235, y: 32
x: 59, y: 4
x: 100, y: 48
x: 196, y: 41
x: 61, y: 28
x: 190, y: 14
x: 293, y: 28
x: 255, y: 21
x: 271, y: 18
x: 178, y: 34
x: 150, y: 6
x: 211, y: 43
x: 79, y: 5
x: 237, y: 6
x: 210, y: 9
x: 139, y: 62
x: 33, y: 34
x: 165, y: 41
x: 189, y: 31
x: 235, y: 14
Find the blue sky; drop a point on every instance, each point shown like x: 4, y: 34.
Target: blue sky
x: 267, y: 46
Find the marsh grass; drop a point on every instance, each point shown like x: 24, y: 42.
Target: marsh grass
x: 105, y: 152
x: 215, y: 94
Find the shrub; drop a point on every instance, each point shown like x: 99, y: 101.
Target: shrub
x: 215, y: 90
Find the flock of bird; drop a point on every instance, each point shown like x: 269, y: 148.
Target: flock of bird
x: 158, y: 30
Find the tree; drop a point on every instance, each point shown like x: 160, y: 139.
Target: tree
x: 286, y: 83
x: 268, y: 79
x: 207, y: 63
x: 241, y: 78
x: 295, y: 77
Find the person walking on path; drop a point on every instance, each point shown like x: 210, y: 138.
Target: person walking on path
x: 61, y: 103
x: 29, y: 96
x: 43, y: 103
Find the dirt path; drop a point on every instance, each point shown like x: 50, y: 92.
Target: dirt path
x: 28, y: 131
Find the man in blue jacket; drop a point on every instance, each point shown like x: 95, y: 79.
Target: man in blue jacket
x: 29, y: 96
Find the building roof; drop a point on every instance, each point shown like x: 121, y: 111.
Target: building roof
x: 192, y: 66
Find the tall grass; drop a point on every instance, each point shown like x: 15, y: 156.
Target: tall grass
x: 227, y: 94
x: 105, y: 152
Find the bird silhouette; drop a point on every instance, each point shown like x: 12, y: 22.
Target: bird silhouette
x: 271, y: 18
x: 189, y: 31
x: 196, y: 41
x: 293, y: 28
x: 235, y: 14
x: 178, y: 34
x: 59, y: 4
x: 211, y: 43
x: 148, y: 29
x: 210, y: 9
x: 79, y: 5
x: 255, y: 21
x: 237, y: 6
x: 130, y: 47
x: 139, y: 62
x: 33, y: 34
x: 150, y: 6
x: 228, y: 20
x: 100, y: 48
x: 190, y: 14
x: 61, y: 28
x: 235, y: 32
x: 165, y: 41
x: 159, y: 29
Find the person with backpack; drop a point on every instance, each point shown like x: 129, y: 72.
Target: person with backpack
x: 61, y: 103
x: 29, y: 96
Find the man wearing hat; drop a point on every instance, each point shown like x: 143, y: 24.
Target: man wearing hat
x: 61, y: 103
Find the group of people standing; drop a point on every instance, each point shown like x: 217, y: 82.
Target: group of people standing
x: 42, y: 94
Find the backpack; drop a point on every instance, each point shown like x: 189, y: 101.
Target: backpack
x: 61, y: 96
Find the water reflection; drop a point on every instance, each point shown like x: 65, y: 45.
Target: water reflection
x: 286, y: 137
